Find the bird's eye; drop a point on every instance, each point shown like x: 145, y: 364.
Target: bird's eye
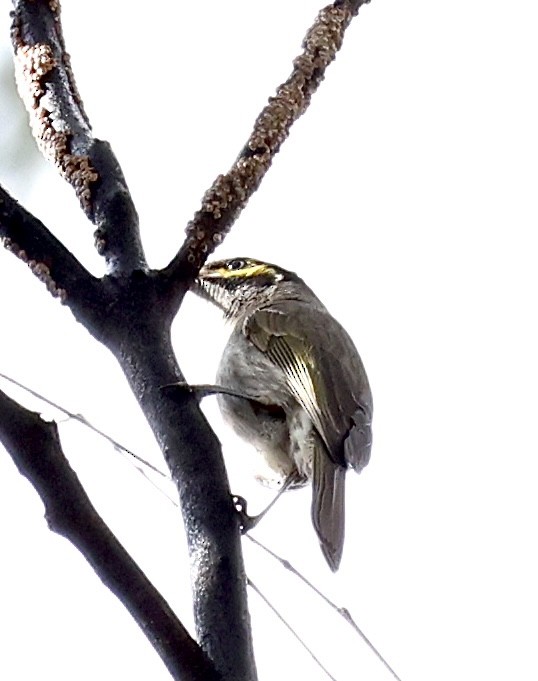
x: 235, y: 264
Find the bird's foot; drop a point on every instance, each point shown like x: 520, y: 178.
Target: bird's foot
x: 246, y: 522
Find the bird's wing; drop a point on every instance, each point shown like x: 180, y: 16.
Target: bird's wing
x: 274, y: 334
x: 324, y: 373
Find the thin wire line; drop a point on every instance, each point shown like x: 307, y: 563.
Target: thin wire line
x: 289, y: 628
x: 343, y: 612
x: 129, y: 455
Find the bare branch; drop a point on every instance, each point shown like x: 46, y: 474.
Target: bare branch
x: 35, y: 448
x: 225, y: 200
x: 63, y: 132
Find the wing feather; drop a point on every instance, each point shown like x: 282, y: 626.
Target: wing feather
x: 299, y: 378
x: 323, y: 371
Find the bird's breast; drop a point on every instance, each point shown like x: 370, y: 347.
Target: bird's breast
x: 261, y: 417
x: 247, y: 370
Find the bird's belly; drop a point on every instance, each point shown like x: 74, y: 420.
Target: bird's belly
x: 302, y: 441
x: 248, y: 371
x: 264, y: 419
x: 266, y: 429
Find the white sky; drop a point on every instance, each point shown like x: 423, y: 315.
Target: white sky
x: 406, y: 198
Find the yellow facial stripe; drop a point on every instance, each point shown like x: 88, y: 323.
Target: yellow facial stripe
x: 245, y: 272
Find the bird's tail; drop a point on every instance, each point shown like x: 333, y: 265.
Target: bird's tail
x: 328, y: 510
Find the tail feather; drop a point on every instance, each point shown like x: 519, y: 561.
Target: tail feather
x: 328, y: 509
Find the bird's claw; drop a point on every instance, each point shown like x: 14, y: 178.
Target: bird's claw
x: 197, y: 391
x: 180, y: 385
x: 246, y: 522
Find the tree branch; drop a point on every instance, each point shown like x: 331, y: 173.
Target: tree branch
x: 63, y: 132
x: 35, y: 448
x: 230, y: 193
x: 194, y: 457
x: 28, y: 238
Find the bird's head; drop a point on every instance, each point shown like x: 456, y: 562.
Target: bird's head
x: 238, y: 284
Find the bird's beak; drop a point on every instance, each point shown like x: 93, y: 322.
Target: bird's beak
x: 205, y: 286
x: 202, y: 273
x: 208, y: 273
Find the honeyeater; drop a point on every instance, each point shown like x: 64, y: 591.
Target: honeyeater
x: 302, y: 395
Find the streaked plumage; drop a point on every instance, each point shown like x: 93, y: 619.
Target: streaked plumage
x: 311, y: 407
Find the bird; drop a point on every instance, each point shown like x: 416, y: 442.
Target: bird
x: 291, y: 383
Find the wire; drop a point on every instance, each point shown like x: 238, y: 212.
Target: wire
x: 289, y: 628
x: 118, y: 447
x: 343, y: 612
